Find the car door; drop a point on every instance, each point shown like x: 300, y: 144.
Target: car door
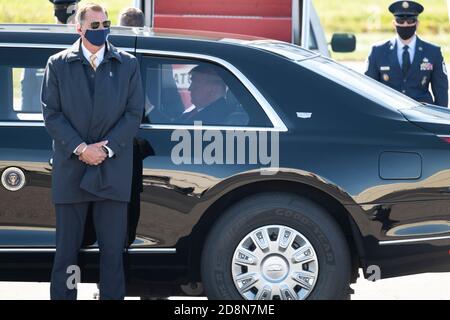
x: 175, y: 180
x: 26, y: 213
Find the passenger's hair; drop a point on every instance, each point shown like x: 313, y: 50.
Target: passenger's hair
x: 215, y: 73
x: 83, y: 9
x: 131, y: 17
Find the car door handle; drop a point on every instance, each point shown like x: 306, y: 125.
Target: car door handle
x: 444, y: 191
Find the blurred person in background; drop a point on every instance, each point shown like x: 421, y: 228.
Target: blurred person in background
x: 407, y: 63
x: 131, y: 17
x: 65, y: 10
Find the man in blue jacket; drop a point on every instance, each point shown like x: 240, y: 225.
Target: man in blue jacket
x: 93, y: 101
x: 407, y: 63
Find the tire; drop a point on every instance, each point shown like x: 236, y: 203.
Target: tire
x: 272, y: 213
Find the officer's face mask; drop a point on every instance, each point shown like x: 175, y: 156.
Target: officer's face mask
x: 64, y: 11
x: 406, y: 32
x: 62, y: 15
x: 97, y: 37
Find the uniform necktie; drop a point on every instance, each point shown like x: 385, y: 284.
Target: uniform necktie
x: 406, y: 60
x: 93, y: 59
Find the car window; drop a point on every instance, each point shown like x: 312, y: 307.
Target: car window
x: 185, y: 92
x: 347, y: 77
x: 21, y: 89
x: 21, y: 76
x: 360, y: 83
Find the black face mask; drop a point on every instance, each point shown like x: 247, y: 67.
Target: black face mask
x: 62, y: 15
x: 406, y: 32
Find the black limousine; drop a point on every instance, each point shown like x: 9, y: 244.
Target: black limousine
x: 314, y: 173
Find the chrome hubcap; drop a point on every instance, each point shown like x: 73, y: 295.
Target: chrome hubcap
x: 275, y: 262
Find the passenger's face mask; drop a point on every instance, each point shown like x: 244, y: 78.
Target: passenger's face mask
x: 406, y: 33
x: 97, y: 37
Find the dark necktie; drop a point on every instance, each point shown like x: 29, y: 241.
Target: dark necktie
x: 406, y: 60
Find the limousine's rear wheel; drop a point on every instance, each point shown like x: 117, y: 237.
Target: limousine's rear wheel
x: 276, y: 246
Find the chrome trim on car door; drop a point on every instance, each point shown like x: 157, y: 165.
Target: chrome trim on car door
x: 87, y: 250
x: 278, y: 124
x: 405, y: 241
x: 22, y: 124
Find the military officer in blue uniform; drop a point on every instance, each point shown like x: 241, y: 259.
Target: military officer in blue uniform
x: 407, y: 63
x: 65, y: 10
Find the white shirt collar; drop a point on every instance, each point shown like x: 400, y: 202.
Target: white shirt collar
x: 411, y: 45
x: 87, y: 54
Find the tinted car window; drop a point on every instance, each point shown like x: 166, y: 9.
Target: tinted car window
x: 21, y: 89
x: 21, y: 75
x: 184, y: 91
x: 347, y: 77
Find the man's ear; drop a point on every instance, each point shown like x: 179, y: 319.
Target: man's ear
x: 79, y: 29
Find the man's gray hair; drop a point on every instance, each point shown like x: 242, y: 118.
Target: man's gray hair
x: 83, y: 9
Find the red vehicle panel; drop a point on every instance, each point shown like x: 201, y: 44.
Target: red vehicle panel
x: 262, y: 8
x: 261, y: 18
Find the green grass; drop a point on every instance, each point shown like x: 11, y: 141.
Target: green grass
x: 41, y: 11
x: 370, y: 20
x: 373, y: 15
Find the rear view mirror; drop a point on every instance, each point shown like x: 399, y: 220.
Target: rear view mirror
x: 343, y: 42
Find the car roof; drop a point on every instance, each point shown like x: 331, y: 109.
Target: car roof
x: 63, y: 34
x: 129, y: 31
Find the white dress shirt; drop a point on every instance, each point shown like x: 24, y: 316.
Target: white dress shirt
x: 87, y: 54
x: 411, y: 49
x: 100, y: 56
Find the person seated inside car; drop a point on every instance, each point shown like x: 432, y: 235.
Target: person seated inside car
x: 208, y: 97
